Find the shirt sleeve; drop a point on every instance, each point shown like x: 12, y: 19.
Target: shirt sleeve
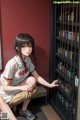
x: 9, y: 71
x: 30, y: 65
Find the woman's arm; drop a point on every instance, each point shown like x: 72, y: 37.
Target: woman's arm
x: 7, y: 87
x: 42, y: 81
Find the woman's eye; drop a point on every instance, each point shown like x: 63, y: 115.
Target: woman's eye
x: 23, y: 46
x: 26, y: 46
x: 30, y: 45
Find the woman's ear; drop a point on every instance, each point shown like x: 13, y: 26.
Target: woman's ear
x: 17, y: 48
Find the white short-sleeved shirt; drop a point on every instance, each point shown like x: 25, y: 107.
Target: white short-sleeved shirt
x: 15, y: 71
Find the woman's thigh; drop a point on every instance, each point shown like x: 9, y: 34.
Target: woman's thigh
x: 1, y: 100
x: 30, y: 80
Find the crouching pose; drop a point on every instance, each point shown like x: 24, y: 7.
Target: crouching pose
x: 15, y: 77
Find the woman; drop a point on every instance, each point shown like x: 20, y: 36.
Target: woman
x: 15, y: 77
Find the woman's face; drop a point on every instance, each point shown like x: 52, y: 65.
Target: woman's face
x: 26, y: 49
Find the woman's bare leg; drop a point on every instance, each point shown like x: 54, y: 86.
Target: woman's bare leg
x: 5, y: 108
x: 25, y: 104
x: 30, y: 80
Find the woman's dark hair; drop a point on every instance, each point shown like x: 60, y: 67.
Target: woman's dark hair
x: 22, y: 39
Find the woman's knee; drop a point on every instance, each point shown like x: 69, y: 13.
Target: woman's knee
x: 31, y: 80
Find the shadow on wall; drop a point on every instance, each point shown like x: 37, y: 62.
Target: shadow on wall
x: 42, y: 62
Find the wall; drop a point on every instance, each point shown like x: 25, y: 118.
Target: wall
x: 0, y: 42
x: 30, y: 16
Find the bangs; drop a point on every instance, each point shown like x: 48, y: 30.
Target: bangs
x: 22, y: 39
x: 24, y: 42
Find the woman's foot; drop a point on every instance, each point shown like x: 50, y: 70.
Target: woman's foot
x: 28, y: 114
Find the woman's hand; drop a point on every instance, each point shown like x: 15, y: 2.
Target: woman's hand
x: 27, y: 87
x: 54, y: 84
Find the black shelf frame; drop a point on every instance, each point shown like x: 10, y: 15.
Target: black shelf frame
x: 58, y: 38
x: 56, y: 57
x: 67, y: 60
x: 68, y: 23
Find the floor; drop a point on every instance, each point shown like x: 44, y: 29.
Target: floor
x: 50, y: 112
x: 47, y: 110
